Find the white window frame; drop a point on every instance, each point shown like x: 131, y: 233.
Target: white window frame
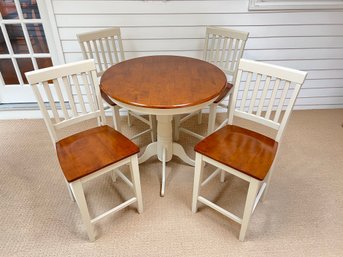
x: 22, y: 93
x: 260, y: 5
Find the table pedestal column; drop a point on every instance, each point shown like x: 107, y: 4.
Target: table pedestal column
x: 164, y: 148
x: 164, y: 137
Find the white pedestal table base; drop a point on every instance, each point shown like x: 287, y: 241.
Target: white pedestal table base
x: 165, y: 148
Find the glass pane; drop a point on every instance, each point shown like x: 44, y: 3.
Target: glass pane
x: 8, y: 9
x: 16, y: 35
x: 30, y: 9
x: 8, y: 72
x: 37, y: 37
x: 25, y: 64
x: 44, y: 62
x: 3, y: 47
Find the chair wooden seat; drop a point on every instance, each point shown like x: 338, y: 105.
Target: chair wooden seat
x: 91, y: 153
x: 224, y: 93
x: 91, y: 150
x: 242, y: 149
x: 267, y: 90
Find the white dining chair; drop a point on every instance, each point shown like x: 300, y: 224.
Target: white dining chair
x: 106, y: 48
x: 224, y: 48
x: 68, y: 95
x: 264, y: 94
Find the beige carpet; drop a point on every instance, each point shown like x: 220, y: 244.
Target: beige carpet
x: 303, y: 215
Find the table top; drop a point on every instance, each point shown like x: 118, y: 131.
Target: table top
x: 163, y: 82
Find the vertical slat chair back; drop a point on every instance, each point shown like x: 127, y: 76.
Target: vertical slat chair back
x: 224, y: 48
x: 264, y: 91
x: 105, y: 46
x: 67, y: 94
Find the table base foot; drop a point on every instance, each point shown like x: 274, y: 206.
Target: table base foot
x: 177, y: 149
x: 180, y: 152
x: 150, y: 151
x: 164, y: 164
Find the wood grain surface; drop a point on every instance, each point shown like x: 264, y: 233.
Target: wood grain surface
x: 163, y: 82
x: 242, y: 149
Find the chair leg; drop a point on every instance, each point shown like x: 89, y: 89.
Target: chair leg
x: 152, y: 125
x: 222, y: 176
x: 70, y: 191
x: 129, y: 123
x: 267, y: 180
x: 199, y: 167
x: 212, y: 118
x: 81, y: 202
x: 116, y: 118
x: 136, y: 182
x: 200, y: 117
x: 249, y: 204
x: 114, y: 175
x: 177, y: 127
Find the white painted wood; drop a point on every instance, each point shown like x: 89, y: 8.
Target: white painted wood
x: 219, y: 209
x: 259, y: 195
x: 179, y: 151
x: 122, y: 176
x: 306, y: 40
x: 191, y: 133
x: 264, y: 68
x: 115, y: 209
x: 86, y: 72
x: 228, y: 19
x: 164, y: 148
x: 106, y: 47
x: 294, y: 5
x: 150, y: 151
x: 212, y: 118
x: 191, y: 32
x: 177, y: 119
x: 92, y: 45
x: 164, y: 164
x: 142, y: 7
x: 284, y: 79
x: 18, y: 93
x: 248, y: 209
x: 210, y: 177
x: 134, y: 169
x: 223, y: 48
x: 253, y: 44
x: 198, y: 171
x: 81, y: 202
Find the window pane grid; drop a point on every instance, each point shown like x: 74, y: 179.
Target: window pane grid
x: 31, y: 51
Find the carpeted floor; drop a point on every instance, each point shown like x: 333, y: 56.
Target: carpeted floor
x: 302, y: 216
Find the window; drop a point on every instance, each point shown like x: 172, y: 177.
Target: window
x: 294, y: 4
x: 25, y: 45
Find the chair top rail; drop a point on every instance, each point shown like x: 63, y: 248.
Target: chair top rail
x: 273, y: 70
x: 59, y: 71
x: 109, y: 32
x: 226, y: 32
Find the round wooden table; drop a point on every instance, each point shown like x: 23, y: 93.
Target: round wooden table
x: 163, y: 86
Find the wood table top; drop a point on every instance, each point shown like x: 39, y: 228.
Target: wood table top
x: 163, y: 82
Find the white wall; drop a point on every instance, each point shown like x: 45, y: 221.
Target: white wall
x: 308, y: 40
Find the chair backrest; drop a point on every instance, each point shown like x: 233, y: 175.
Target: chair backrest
x: 67, y: 94
x: 105, y: 46
x: 264, y: 91
x: 224, y: 48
